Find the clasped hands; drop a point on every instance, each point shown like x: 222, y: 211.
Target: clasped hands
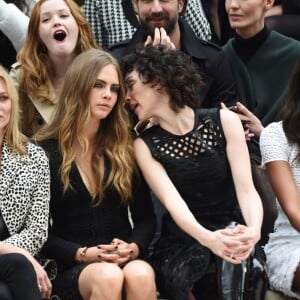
x: 118, y: 252
x: 233, y: 244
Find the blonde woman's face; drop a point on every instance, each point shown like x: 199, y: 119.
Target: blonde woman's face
x: 58, y: 29
x: 104, y: 94
x: 5, y: 106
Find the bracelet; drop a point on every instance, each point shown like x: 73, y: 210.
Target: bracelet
x: 83, y: 253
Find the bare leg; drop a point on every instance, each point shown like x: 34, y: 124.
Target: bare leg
x: 139, y: 281
x: 101, y: 281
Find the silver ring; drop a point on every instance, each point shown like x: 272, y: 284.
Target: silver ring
x: 39, y: 286
x: 231, y: 256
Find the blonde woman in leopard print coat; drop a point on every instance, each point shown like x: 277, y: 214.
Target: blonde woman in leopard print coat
x: 24, y: 204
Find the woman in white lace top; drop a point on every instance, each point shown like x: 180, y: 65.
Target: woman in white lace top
x: 280, y: 144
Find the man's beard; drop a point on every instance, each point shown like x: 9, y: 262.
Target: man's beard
x: 169, y: 24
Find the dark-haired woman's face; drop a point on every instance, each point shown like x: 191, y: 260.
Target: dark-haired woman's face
x: 247, y: 16
x: 142, y: 98
x: 5, y: 106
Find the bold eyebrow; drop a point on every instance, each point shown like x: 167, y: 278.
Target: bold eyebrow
x: 103, y: 81
x: 63, y: 10
x: 99, y: 81
x: 129, y: 79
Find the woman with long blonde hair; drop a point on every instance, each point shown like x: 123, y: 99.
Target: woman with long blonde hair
x: 24, y: 204
x: 57, y: 33
x: 94, y: 182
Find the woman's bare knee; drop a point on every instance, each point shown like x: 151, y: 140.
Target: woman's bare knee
x: 101, y: 280
x: 138, y: 269
x: 139, y: 280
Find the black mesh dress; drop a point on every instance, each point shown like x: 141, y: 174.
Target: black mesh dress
x: 197, y: 165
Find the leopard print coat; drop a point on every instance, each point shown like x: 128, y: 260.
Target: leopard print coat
x: 25, y: 196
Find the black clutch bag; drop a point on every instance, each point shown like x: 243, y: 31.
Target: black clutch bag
x: 4, y: 234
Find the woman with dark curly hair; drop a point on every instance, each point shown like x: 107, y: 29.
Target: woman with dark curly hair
x: 197, y: 164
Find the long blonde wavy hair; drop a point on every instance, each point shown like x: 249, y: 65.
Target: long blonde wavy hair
x: 113, y: 139
x: 14, y: 138
x: 34, y: 58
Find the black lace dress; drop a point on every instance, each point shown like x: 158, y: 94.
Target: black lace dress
x: 197, y: 165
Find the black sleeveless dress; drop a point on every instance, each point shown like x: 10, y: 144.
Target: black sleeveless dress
x: 197, y: 165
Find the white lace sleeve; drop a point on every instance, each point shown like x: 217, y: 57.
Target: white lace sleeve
x: 273, y: 143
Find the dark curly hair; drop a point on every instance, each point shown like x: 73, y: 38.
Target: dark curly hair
x: 290, y: 112
x: 173, y: 71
